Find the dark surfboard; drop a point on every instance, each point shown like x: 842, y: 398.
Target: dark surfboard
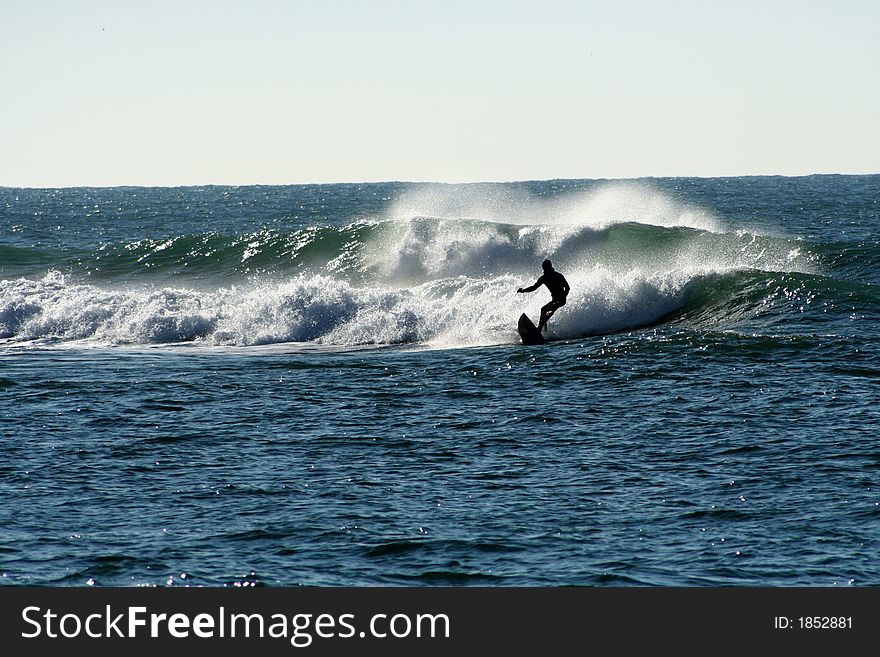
x: 528, y: 331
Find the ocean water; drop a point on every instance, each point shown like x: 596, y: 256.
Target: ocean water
x: 323, y: 384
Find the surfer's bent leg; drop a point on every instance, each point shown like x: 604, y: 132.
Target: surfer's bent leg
x: 548, y: 310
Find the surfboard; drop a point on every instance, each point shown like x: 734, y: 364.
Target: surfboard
x: 528, y: 331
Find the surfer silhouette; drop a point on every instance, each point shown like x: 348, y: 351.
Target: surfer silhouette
x: 558, y: 287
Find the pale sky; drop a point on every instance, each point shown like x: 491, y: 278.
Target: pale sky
x: 119, y: 92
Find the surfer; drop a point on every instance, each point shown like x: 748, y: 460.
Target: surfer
x: 558, y: 287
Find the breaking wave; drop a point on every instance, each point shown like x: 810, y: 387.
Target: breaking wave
x: 430, y: 270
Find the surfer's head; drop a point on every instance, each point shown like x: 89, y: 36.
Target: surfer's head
x: 547, y: 265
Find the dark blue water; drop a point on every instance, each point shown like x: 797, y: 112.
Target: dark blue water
x: 323, y: 385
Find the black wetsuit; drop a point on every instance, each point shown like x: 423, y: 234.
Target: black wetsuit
x: 559, y: 289
x: 557, y: 285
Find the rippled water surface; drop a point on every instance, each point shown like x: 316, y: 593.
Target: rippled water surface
x: 323, y: 385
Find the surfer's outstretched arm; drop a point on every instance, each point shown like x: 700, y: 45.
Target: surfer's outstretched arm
x: 530, y: 288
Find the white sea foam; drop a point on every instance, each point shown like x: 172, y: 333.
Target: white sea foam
x: 449, y: 311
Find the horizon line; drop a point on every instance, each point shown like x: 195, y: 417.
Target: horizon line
x: 432, y: 182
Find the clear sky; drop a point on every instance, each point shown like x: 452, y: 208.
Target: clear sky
x: 181, y: 92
